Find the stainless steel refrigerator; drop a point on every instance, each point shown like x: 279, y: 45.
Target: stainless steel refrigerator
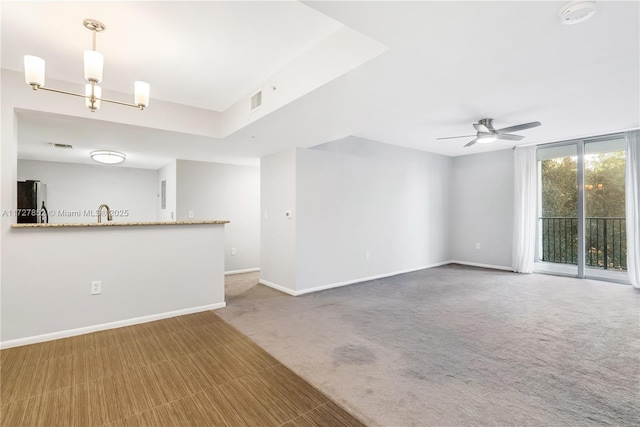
x: 32, y: 202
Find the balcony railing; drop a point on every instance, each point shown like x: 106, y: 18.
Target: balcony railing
x: 605, y: 241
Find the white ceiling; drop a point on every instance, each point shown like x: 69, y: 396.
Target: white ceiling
x: 203, y: 54
x: 448, y: 64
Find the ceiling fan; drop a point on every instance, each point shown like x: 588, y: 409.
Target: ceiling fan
x: 487, y: 133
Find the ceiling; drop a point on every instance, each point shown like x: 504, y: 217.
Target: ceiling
x: 203, y: 54
x: 446, y: 65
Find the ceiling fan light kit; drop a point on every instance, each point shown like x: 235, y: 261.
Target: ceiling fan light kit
x: 485, y: 139
x: 34, y: 68
x: 577, y: 11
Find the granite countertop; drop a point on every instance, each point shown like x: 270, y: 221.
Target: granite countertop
x: 118, y: 224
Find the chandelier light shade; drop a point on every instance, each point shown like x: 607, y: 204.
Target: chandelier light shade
x: 34, y: 70
x: 93, y: 66
x: 108, y: 157
x: 141, y: 93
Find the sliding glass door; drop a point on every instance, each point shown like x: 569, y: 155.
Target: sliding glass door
x: 558, y: 245
x: 605, y: 224
x: 581, y: 226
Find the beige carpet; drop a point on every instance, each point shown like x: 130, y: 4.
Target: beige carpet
x: 458, y: 346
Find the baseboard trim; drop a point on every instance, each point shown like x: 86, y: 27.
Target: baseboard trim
x: 246, y: 270
x: 366, y: 279
x: 278, y: 287
x: 347, y: 282
x: 111, y: 325
x: 379, y: 276
x: 476, y: 264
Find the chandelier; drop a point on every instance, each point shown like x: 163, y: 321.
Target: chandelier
x: 93, y: 62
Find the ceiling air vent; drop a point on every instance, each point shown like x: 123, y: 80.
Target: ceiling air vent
x: 56, y: 145
x: 256, y: 101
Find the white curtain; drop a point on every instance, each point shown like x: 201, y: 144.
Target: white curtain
x: 524, y: 221
x: 632, y: 206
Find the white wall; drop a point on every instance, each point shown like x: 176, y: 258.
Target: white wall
x: 47, y: 275
x: 278, y: 233
x: 355, y: 196
x: 73, y: 188
x: 482, y: 208
x: 352, y: 196
x: 59, y: 256
x: 221, y: 191
x: 339, y: 53
x: 167, y: 173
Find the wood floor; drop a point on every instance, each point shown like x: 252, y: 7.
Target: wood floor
x: 193, y: 370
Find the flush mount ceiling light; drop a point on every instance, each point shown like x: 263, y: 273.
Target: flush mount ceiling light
x: 108, y: 157
x: 577, y: 11
x: 93, y: 62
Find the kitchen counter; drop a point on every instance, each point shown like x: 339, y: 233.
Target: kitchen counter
x: 119, y: 224
x: 146, y: 270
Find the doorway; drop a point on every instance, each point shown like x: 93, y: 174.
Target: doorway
x: 581, y: 212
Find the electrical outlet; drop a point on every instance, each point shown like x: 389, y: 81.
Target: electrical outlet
x: 191, y: 214
x: 96, y: 287
x: 233, y: 251
x: 477, y: 245
x: 366, y: 255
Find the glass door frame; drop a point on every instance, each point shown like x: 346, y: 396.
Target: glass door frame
x: 579, y: 149
x: 579, y: 143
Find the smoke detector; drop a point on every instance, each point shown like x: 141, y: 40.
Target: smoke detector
x: 577, y: 11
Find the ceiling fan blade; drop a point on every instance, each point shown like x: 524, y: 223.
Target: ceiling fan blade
x: 510, y: 137
x: 481, y: 128
x: 452, y: 137
x: 517, y: 128
x: 470, y: 143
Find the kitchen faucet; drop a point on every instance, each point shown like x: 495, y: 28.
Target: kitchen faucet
x: 109, y: 218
